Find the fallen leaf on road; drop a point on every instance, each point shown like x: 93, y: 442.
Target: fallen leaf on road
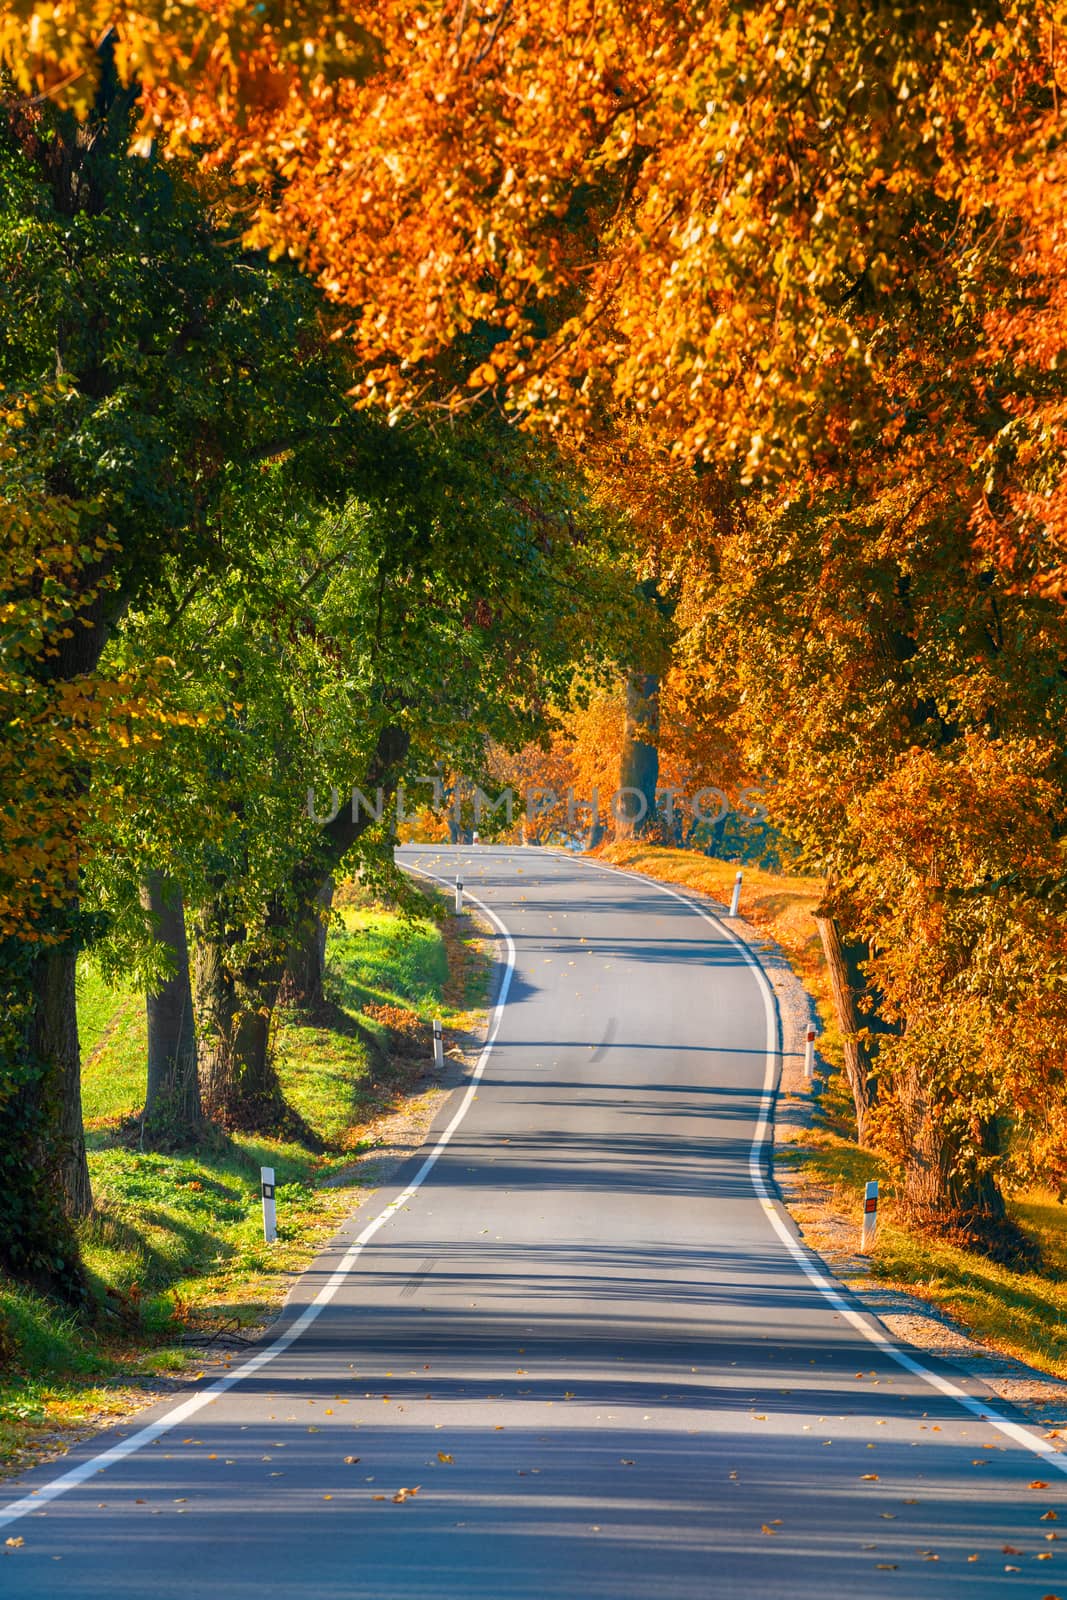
x: 885, y: 1566
x: 1049, y: 1516
x: 764, y: 1529
x: 868, y: 1477
x: 350, y: 1461
x: 405, y: 1494
x: 445, y: 1459
x: 15, y: 1543
x: 1038, y: 1483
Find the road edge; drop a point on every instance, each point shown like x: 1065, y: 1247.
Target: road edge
x: 906, y: 1321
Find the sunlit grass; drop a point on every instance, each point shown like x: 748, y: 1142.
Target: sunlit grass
x: 375, y: 958
x: 177, y: 1239
x: 1022, y: 1314
x: 113, y: 1032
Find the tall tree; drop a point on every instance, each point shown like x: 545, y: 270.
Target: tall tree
x: 361, y: 645
x: 906, y: 703
x: 155, y: 369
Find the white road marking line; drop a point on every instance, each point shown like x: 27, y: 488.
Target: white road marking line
x: 870, y: 1331
x: 144, y: 1436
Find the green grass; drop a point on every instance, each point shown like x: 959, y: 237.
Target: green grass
x: 1023, y: 1314
x: 114, y: 1040
x: 377, y: 959
x: 327, y: 1065
x: 177, y: 1239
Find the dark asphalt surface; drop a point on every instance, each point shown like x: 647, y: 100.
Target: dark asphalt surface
x: 583, y: 1340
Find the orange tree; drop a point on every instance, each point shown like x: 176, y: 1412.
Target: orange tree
x: 699, y: 211
x: 906, y: 704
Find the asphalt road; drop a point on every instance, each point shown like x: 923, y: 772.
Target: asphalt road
x: 586, y: 1339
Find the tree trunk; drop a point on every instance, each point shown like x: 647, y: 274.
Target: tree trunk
x: 238, y: 1082
x: 37, y: 1242
x: 237, y: 985
x: 172, y: 1101
x: 848, y: 983
x: 51, y: 1094
x: 306, y: 963
x: 635, y: 813
x: 948, y: 1172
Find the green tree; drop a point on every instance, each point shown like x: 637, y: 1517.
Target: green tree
x: 151, y: 370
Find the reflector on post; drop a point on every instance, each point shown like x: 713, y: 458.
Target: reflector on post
x: 870, y: 1216
x: 270, y: 1216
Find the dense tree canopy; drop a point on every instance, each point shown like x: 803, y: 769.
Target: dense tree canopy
x: 784, y: 286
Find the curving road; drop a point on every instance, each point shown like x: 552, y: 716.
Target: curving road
x: 584, y: 1333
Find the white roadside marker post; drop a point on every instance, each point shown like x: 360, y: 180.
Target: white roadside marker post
x: 459, y: 896
x: 474, y: 837
x: 438, y: 1045
x: 870, y: 1216
x: 736, y: 897
x: 809, y: 1052
x: 270, y: 1216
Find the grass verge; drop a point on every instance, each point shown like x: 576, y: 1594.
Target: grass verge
x: 1021, y: 1314
x: 174, y: 1248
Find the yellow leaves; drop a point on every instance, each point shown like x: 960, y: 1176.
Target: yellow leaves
x: 15, y: 1542
x: 445, y: 1459
x: 405, y: 1494
x: 868, y: 1477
